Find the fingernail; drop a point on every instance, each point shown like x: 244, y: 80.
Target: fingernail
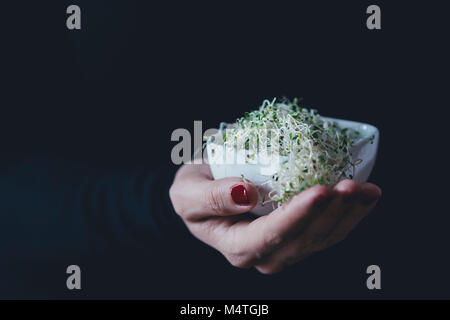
x: 240, y: 195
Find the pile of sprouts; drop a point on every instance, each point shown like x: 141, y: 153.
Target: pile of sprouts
x: 311, y: 149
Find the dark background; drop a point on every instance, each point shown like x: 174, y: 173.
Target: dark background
x: 111, y: 94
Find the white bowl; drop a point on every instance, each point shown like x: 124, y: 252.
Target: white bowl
x: 364, y: 148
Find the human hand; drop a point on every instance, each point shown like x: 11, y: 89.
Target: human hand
x: 313, y: 220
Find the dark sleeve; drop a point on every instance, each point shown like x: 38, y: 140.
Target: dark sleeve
x: 51, y: 209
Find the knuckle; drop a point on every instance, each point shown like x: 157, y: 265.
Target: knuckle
x: 238, y: 256
x: 239, y: 261
x: 268, y: 244
x: 272, y: 240
x: 214, y: 200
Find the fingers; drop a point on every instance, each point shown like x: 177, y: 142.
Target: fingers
x: 359, y: 208
x: 195, y: 195
x: 311, y: 239
x: 370, y: 193
x: 262, y: 236
x: 350, y: 203
x: 300, y: 211
x: 324, y: 222
x: 323, y: 217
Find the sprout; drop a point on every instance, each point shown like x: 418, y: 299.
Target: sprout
x: 315, y: 151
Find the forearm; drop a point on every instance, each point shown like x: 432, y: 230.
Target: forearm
x: 50, y: 208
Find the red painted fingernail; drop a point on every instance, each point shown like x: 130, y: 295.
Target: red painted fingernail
x: 240, y: 195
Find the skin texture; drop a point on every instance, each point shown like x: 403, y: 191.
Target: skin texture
x: 314, y: 220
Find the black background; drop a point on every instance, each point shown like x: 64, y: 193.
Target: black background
x: 110, y: 95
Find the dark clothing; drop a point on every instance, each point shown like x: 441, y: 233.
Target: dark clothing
x: 55, y: 213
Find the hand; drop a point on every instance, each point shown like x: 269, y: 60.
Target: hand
x: 315, y: 219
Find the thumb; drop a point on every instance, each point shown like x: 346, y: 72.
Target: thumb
x: 228, y: 196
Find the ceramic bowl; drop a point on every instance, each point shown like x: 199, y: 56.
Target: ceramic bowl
x: 364, y: 148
